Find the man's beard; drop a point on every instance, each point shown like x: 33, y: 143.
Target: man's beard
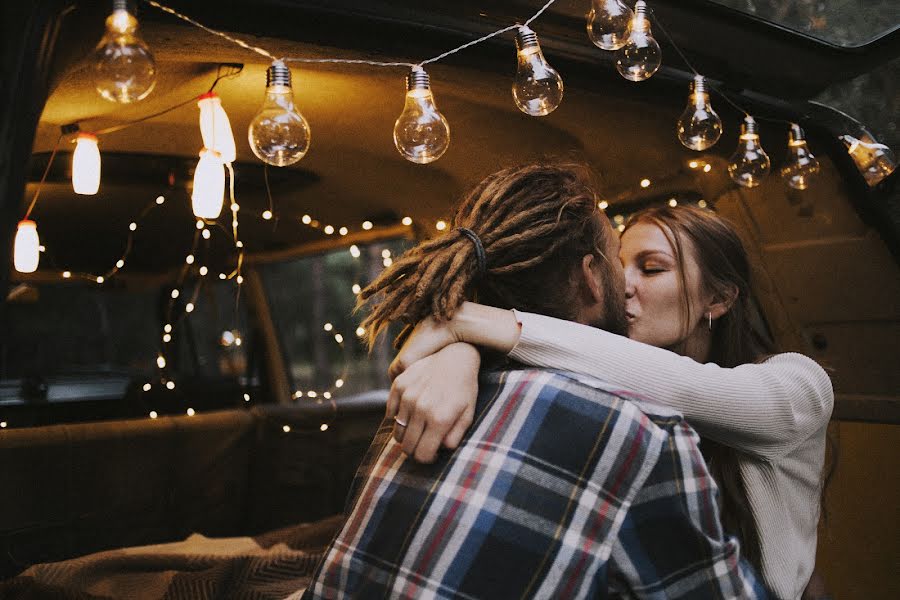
x: 614, y: 319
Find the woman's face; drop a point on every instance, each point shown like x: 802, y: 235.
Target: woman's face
x: 653, y: 296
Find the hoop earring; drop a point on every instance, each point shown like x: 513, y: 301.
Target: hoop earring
x: 710, y: 320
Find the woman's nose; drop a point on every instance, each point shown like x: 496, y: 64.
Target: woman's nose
x: 629, y: 284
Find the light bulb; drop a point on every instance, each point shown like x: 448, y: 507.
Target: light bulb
x: 215, y: 128
x: 749, y: 163
x: 86, y: 165
x: 875, y: 161
x: 607, y: 23
x: 640, y: 57
x: 800, y: 165
x: 278, y: 134
x: 27, y: 247
x: 699, y: 127
x: 124, y: 69
x: 421, y: 133
x: 537, y: 87
x: 208, y: 194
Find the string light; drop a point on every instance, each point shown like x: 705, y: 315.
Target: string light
x: 407, y: 221
x: 800, y: 165
x: 26, y: 248
x: 607, y: 24
x: 343, y: 231
x: 421, y: 133
x: 356, y: 289
x: 306, y: 219
x: 328, y: 230
x: 86, y: 165
x: 124, y: 69
x: 67, y: 274
x: 153, y: 414
x: 3, y: 424
x: 323, y: 427
x: 208, y: 194
x: 278, y: 134
x: 640, y: 57
x: 707, y: 168
x: 645, y: 183
x: 673, y: 202
x: 190, y: 412
x: 367, y: 225
x: 699, y: 127
x: 875, y: 161
x: 701, y: 203
x: 328, y: 327
x: 170, y: 385
x: 749, y: 164
x: 286, y: 429
x: 440, y: 225
x: 215, y: 127
x: 537, y: 88
x: 100, y: 279
x: 603, y: 205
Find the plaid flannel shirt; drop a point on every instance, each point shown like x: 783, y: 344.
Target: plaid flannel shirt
x: 559, y: 490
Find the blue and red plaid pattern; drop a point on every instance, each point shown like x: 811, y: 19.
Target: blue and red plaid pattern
x: 559, y: 490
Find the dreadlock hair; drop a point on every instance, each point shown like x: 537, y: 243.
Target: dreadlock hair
x: 535, y: 221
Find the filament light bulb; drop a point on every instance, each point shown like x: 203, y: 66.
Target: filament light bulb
x: 607, y: 23
x: 27, y: 247
x: 208, y: 194
x: 699, y: 127
x: 640, y: 57
x: 124, y: 69
x: 749, y: 164
x: 215, y: 128
x: 875, y: 161
x: 86, y: 165
x: 421, y: 133
x: 278, y: 134
x: 801, y: 165
x: 537, y: 88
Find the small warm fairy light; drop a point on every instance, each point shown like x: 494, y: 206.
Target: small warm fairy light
x: 327, y: 395
x: 440, y: 225
x: 311, y: 394
x: 189, y: 307
x: 3, y: 424
x: 190, y: 412
x: 360, y: 331
x: 203, y: 271
x: 167, y: 328
x: 200, y: 224
x: 286, y: 429
x: 323, y: 427
x: 367, y: 225
x: 356, y: 289
x: 235, y: 207
x: 160, y: 199
x: 161, y: 361
x: 297, y: 394
x: 167, y: 337
x: 385, y: 253
x: 175, y: 294
x: 239, y: 244
x: 42, y: 248
x: 707, y: 168
x: 239, y: 279
x: 619, y: 219
x: 328, y: 230
x: 343, y: 231
x: 673, y: 202
x: 338, y: 383
x: 701, y: 203
x: 306, y: 219
x: 328, y: 327
x: 133, y: 227
x: 339, y: 338
x: 354, y: 251
x: 238, y: 341
x: 621, y: 228
x: 153, y: 414
x: 387, y: 262
x: 315, y: 223
x: 246, y: 397
x: 147, y: 387
x: 407, y: 221
x: 645, y: 183
x: 100, y: 279
x: 267, y: 215
x: 223, y: 276
x: 189, y: 259
x: 603, y: 204
x: 120, y: 263
x: 206, y: 234
x: 693, y: 164
x: 67, y: 274
x: 170, y: 385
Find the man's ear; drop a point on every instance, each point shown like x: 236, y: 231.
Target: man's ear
x: 722, y: 301
x: 590, y: 275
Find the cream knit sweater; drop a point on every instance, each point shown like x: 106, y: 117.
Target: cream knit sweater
x: 776, y: 412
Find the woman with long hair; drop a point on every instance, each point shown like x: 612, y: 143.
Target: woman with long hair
x: 696, y: 344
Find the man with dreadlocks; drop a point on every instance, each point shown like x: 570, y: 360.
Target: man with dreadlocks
x: 562, y: 488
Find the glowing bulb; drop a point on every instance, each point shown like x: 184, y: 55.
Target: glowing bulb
x: 323, y: 427
x: 707, y: 168
x: 26, y: 248
x: 645, y: 183
x: 100, y: 279
x: 354, y: 251
x: 607, y: 24
x: 356, y: 289
x: 161, y: 361
x: 385, y: 253
x: 603, y: 204
x: 206, y: 234
x: 343, y: 231
x: 875, y: 161
x: 147, y: 387
x: 701, y: 203
x: 328, y: 327
x: 800, y: 165
x: 189, y: 307
x: 120, y: 263
x: 246, y: 397
x: 160, y: 199
x: 327, y: 396
x: 693, y: 164
x: 67, y: 274
x: 339, y: 338
x: 239, y: 279
x: 338, y: 383
x: 360, y: 332
x: 749, y: 163
x: 699, y: 127
x: 124, y: 69
x: 421, y: 133
x: 407, y: 221
x: 174, y: 294
x: 168, y: 328
x: 189, y: 259
x: 440, y: 225
x: 86, y: 165
x: 673, y: 202
x: 208, y: 194
x: 306, y: 219
x: 640, y: 57
x: 286, y: 429
x: 537, y: 87
x: 190, y: 412
x: 329, y: 230
x: 367, y: 225
x: 153, y: 414
x: 132, y: 227
x: 203, y: 271
x: 278, y: 134
x: 387, y: 262
x: 167, y: 337
x: 215, y: 128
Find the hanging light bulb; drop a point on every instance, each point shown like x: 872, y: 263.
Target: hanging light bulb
x: 607, y: 23
x: 801, y: 165
x: 640, y: 57
x: 124, y: 69
x: 749, y: 163
x: 86, y: 165
x: 421, y: 133
x: 215, y: 128
x: 27, y: 247
x: 208, y: 194
x: 699, y: 127
x: 537, y: 88
x: 278, y: 134
x: 875, y: 161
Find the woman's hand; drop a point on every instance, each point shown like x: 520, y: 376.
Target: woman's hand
x: 434, y: 397
x: 427, y: 338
